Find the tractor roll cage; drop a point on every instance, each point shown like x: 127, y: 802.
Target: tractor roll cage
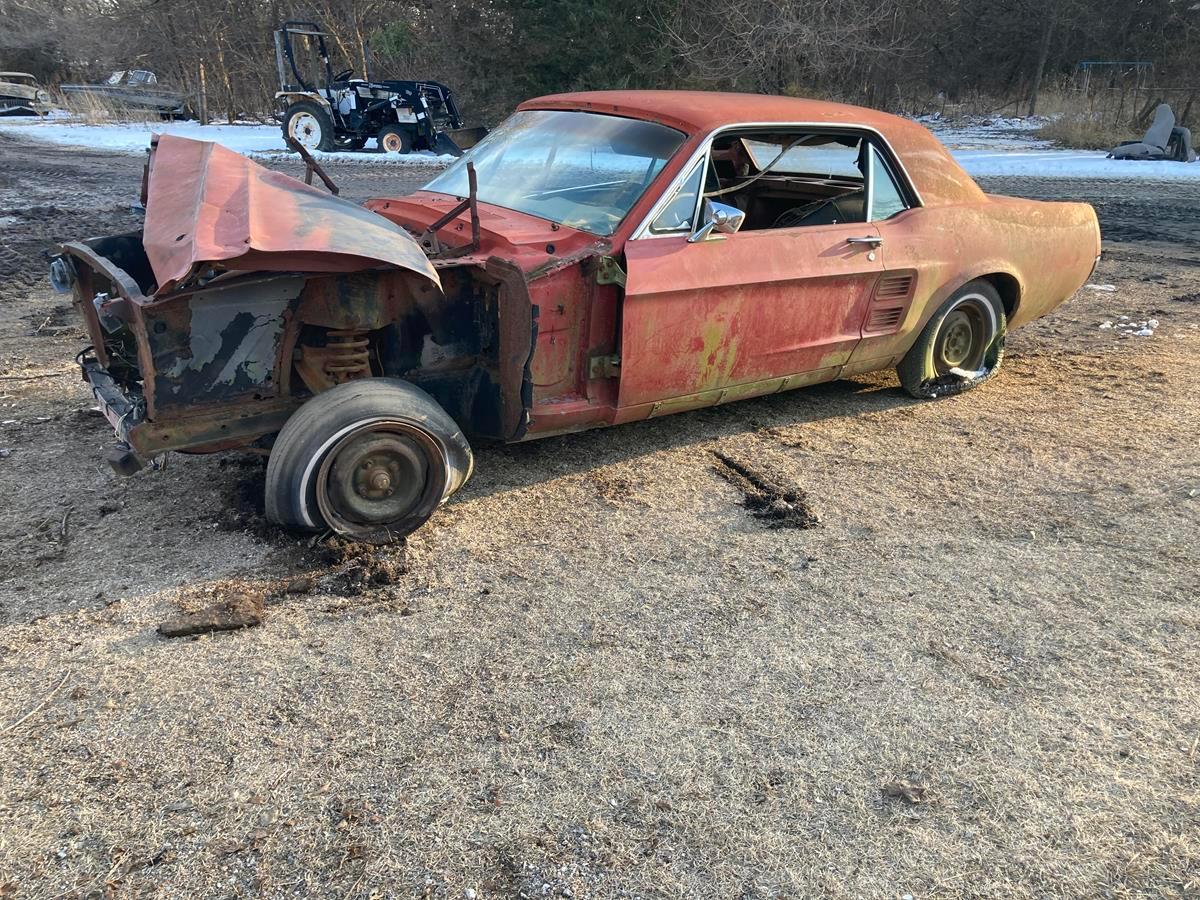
x: 283, y: 51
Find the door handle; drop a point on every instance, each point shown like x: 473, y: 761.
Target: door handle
x: 871, y: 239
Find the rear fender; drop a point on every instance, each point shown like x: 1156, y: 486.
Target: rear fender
x: 287, y: 98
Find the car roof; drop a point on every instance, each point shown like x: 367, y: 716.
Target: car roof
x: 15, y: 74
x: 936, y: 176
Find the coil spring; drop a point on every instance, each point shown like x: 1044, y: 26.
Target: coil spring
x: 348, y: 355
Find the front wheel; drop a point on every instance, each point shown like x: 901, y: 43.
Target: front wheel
x: 960, y: 348
x: 395, y: 139
x: 371, y: 459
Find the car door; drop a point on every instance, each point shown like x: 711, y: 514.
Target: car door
x: 743, y: 309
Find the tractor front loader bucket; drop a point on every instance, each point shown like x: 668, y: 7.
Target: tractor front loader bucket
x: 458, y: 141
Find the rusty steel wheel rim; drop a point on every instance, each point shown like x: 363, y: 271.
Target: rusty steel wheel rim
x: 963, y: 338
x: 305, y: 130
x: 381, y: 477
x: 393, y: 143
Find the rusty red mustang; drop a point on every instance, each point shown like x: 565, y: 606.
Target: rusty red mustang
x: 599, y: 258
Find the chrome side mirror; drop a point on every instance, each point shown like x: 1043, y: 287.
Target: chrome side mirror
x: 717, y: 219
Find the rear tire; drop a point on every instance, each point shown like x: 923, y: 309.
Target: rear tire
x: 310, y: 125
x: 395, y: 139
x: 960, y: 348
x: 371, y: 459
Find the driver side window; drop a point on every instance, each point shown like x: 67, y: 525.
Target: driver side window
x: 790, y: 178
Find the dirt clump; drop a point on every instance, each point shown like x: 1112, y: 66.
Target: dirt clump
x: 768, y: 497
x: 355, y: 566
x: 907, y: 791
x: 232, y: 606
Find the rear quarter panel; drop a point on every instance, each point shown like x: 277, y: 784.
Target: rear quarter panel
x: 1048, y: 250
x: 1052, y: 248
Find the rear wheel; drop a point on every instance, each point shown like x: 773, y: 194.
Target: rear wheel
x: 371, y: 459
x: 309, y: 125
x: 960, y: 348
x: 395, y: 139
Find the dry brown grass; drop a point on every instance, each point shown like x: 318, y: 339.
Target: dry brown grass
x: 1085, y: 132
x: 93, y: 109
x: 596, y: 671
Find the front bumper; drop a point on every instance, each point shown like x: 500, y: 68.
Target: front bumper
x: 198, y: 430
x: 124, y: 413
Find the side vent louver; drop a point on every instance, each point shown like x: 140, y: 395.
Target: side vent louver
x: 892, y: 296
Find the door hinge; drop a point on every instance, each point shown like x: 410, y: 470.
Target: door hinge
x: 609, y: 271
x: 607, y: 366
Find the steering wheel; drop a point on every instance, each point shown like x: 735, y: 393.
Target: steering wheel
x: 343, y: 76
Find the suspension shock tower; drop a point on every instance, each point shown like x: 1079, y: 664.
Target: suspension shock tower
x: 348, y: 355
x: 345, y: 356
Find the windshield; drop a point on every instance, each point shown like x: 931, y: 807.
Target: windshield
x: 579, y: 169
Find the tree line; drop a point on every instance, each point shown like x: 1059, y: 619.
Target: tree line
x: 903, y: 55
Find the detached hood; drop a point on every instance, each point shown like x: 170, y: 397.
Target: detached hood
x: 207, y: 204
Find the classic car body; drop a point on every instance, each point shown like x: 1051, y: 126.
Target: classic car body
x: 625, y: 255
x: 21, y: 95
x: 138, y: 88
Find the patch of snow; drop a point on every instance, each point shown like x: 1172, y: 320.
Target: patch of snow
x: 1071, y: 164
x: 1129, y: 328
x: 998, y: 146
x: 249, y: 139
x: 1106, y: 288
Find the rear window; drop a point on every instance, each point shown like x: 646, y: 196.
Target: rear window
x: 829, y: 155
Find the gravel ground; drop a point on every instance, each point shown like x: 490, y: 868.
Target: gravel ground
x: 596, y: 672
